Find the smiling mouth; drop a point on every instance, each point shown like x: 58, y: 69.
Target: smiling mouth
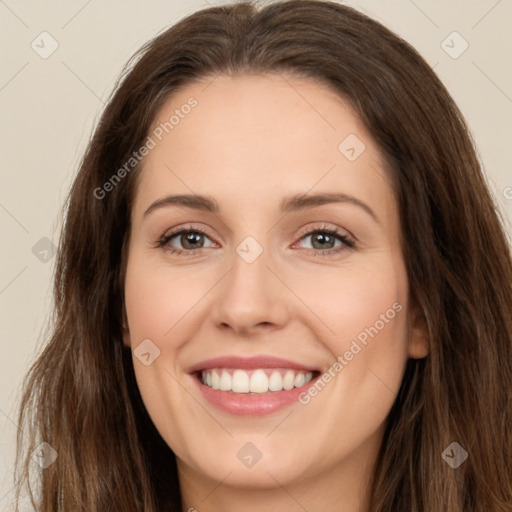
x: 254, y: 381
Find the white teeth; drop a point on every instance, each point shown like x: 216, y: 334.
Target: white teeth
x: 215, y: 380
x: 254, y: 381
x: 240, y: 382
x: 299, y: 380
x: 275, y: 383
x: 289, y: 380
x: 225, y: 381
x: 258, y: 382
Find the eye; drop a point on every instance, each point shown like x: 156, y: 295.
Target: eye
x: 323, y: 240
x: 190, y: 239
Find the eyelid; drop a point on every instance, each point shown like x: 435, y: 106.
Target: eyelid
x: 323, y: 226
x: 186, y: 227
x: 306, y: 230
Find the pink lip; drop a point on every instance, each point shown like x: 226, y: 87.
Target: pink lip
x: 248, y: 363
x: 250, y: 404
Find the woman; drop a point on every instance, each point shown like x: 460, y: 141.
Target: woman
x: 253, y: 372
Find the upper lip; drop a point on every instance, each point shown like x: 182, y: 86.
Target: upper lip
x: 248, y: 363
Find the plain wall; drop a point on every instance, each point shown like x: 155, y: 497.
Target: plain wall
x: 48, y: 107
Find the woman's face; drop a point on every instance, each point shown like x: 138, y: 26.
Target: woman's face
x: 289, y: 294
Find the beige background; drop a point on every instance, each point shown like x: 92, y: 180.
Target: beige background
x: 48, y: 108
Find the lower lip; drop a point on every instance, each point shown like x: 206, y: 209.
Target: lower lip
x: 256, y: 404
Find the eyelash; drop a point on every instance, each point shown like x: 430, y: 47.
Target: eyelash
x: 348, y: 243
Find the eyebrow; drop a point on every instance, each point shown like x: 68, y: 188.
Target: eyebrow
x: 293, y: 203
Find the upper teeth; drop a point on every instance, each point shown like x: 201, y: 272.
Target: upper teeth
x: 254, y: 381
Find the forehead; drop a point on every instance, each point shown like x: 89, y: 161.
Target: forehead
x: 259, y: 137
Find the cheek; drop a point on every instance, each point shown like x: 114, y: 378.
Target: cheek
x: 158, y: 299
x: 363, y: 313
x: 367, y: 310
x: 360, y: 302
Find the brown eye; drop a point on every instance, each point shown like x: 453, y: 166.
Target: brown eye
x: 324, y: 240
x: 191, y: 240
x: 188, y: 240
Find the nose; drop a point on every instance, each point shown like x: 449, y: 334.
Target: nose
x: 251, y: 299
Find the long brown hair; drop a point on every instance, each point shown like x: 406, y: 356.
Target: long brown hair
x: 81, y: 397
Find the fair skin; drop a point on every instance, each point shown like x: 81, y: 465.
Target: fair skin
x: 250, y: 142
